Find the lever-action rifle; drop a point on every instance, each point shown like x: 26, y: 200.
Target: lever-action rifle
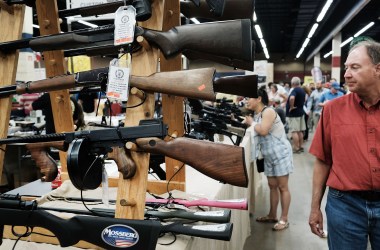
x: 227, y: 41
x: 108, y: 233
x: 196, y: 83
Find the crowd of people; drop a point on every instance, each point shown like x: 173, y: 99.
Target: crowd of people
x: 345, y: 146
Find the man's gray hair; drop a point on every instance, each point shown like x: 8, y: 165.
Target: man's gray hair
x: 295, y: 80
x: 373, y: 50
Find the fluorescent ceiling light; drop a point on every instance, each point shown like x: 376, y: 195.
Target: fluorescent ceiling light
x: 263, y: 44
x: 300, y: 52
x: 194, y: 20
x: 88, y: 24
x: 258, y: 31
x: 326, y: 55
x: 324, y: 10
x: 364, y: 29
x: 307, y: 40
x: 266, y: 53
x: 312, y: 31
x: 254, y: 16
x: 347, y: 41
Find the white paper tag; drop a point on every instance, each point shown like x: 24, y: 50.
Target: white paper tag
x: 118, y: 81
x: 212, y: 228
x: 125, y: 21
x: 219, y: 213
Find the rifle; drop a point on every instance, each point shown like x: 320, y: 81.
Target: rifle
x: 206, y: 38
x: 107, y: 142
x: 233, y: 9
x: 143, y: 8
x: 108, y: 233
x: 196, y: 83
x: 240, y: 204
x: 220, y: 216
x: 86, y: 149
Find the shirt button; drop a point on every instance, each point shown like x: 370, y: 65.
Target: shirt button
x: 371, y: 130
x: 374, y: 170
x: 372, y: 150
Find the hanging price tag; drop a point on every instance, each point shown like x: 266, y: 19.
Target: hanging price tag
x: 125, y: 21
x: 118, y: 81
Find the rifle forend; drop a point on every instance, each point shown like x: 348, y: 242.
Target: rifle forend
x: 225, y: 163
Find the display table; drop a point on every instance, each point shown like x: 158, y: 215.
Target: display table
x: 197, y: 185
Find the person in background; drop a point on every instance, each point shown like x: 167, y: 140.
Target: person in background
x: 295, y: 114
x: 270, y: 138
x: 277, y: 92
x: 43, y: 103
x: 313, y: 106
x: 306, y: 112
x: 88, y: 101
x: 330, y: 95
x: 26, y: 100
x: 346, y: 147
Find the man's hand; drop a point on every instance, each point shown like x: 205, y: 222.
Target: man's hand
x: 316, y: 222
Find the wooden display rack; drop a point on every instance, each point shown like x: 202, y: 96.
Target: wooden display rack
x: 131, y: 192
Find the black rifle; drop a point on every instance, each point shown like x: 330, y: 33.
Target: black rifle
x: 108, y: 233
x: 227, y: 42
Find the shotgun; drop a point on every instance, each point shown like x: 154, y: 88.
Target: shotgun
x: 196, y: 83
x: 227, y: 41
x: 105, y: 232
x: 87, y: 148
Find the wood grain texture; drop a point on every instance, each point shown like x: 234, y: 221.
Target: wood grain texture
x: 11, y: 29
x: 144, y: 63
x: 172, y: 106
x: 47, y: 13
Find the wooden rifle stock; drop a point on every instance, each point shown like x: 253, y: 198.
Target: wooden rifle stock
x: 231, y: 39
x: 225, y: 163
x: 232, y: 10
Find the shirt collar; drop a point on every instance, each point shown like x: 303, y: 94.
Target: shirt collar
x: 361, y: 103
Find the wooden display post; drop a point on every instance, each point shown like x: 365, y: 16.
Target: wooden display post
x: 172, y: 109
x: 47, y: 13
x: 12, y: 19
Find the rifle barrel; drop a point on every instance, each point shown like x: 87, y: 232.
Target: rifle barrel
x: 34, y: 138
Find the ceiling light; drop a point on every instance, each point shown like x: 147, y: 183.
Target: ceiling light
x: 266, y: 53
x: 307, y: 40
x: 254, y: 16
x: 263, y: 44
x: 313, y: 29
x: 364, y: 29
x: 347, y: 41
x: 88, y: 24
x: 326, y: 55
x: 300, y: 52
x: 258, y: 31
x: 324, y: 10
x: 36, y: 26
x: 194, y: 20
